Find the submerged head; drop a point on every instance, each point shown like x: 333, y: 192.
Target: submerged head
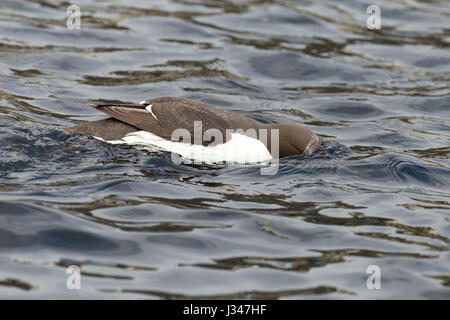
x: 295, y: 140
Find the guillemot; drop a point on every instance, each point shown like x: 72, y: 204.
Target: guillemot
x: 195, y: 129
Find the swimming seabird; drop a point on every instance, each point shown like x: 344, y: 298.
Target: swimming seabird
x: 154, y: 121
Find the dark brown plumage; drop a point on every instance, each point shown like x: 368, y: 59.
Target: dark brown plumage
x: 169, y: 114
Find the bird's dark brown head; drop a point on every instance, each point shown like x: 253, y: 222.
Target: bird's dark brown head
x: 294, y: 140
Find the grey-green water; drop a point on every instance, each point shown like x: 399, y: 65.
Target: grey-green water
x: 142, y: 227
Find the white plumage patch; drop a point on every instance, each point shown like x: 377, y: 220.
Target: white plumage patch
x: 239, y: 149
x: 149, y: 109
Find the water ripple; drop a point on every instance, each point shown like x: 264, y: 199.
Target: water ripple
x: 140, y: 226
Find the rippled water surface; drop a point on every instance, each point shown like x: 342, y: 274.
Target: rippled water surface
x: 142, y: 227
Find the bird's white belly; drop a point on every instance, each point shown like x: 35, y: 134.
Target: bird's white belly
x: 239, y: 149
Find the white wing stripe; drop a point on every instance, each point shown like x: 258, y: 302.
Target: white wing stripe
x: 149, y: 109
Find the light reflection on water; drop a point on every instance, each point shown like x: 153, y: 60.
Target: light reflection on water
x: 142, y: 227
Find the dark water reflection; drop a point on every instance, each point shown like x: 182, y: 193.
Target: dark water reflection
x: 141, y: 226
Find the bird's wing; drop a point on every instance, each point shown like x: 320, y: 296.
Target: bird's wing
x: 162, y: 116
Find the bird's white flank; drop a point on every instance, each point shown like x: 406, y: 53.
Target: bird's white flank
x: 239, y: 149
